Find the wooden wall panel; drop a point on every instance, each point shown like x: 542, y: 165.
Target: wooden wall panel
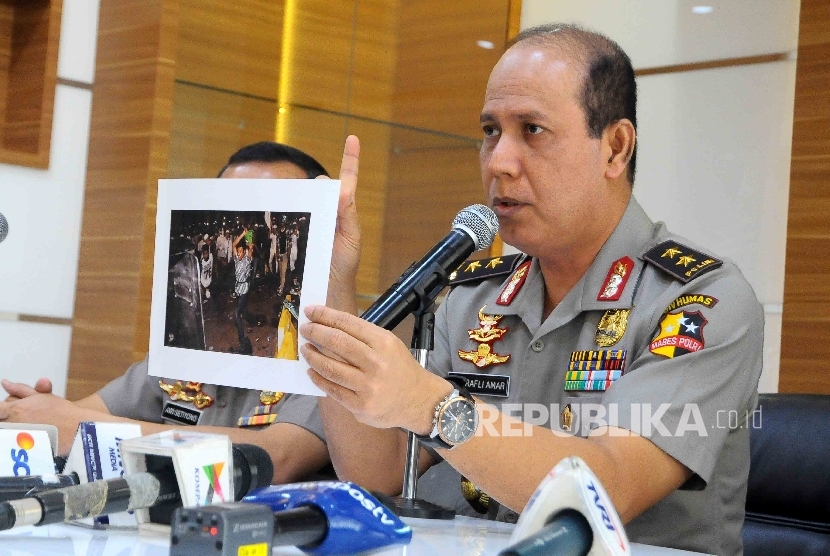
x: 128, y: 147
x: 350, y: 73
x: 233, y: 46
x: 442, y: 73
x: 209, y: 125
x: 29, y: 35
x: 421, y: 205
x: 806, y: 318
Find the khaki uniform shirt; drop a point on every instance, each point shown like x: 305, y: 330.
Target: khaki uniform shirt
x: 691, y: 361
x: 136, y: 395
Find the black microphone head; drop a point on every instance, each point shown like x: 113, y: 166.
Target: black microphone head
x: 4, y: 227
x: 252, y: 469
x: 479, y: 222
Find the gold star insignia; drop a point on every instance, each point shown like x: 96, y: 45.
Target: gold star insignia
x: 671, y: 252
x: 686, y: 260
x: 494, y: 262
x: 472, y: 267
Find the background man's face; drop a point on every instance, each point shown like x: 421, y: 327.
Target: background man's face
x: 542, y: 173
x: 265, y: 170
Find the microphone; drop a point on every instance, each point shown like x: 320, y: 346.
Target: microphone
x: 252, y: 469
x: 569, y: 514
x: 472, y: 229
x: 321, y: 518
x: 4, y: 227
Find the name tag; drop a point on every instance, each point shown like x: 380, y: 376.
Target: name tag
x: 486, y: 385
x: 180, y: 414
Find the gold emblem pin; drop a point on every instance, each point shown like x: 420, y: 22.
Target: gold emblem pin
x: 611, y: 327
x: 487, y: 333
x: 177, y: 391
x: 566, y: 418
x: 267, y: 397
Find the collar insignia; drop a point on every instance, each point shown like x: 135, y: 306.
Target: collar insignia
x: 616, y: 279
x: 514, y: 285
x: 487, y: 333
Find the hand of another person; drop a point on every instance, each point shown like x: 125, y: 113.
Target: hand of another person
x: 370, y: 371
x: 345, y: 256
x: 44, y: 408
x: 19, y: 390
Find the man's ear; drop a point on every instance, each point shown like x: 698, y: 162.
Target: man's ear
x: 618, y: 145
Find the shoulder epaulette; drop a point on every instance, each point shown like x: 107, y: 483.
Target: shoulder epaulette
x: 475, y: 271
x: 680, y: 261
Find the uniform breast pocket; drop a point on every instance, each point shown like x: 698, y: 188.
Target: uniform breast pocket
x: 581, y: 412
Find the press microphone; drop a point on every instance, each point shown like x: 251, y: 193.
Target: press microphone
x: 322, y: 518
x: 472, y: 229
x: 252, y: 469
x: 570, y: 514
x: 4, y: 227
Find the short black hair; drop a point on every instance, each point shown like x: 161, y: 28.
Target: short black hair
x: 609, y: 92
x: 270, y: 151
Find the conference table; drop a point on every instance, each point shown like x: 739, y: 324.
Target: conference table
x: 462, y: 536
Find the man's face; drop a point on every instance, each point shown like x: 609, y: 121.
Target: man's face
x: 240, y: 253
x: 542, y: 174
x: 265, y: 170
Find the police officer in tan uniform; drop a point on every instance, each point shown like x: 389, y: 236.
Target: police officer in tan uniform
x: 614, y: 340
x: 635, y: 332
x: 288, y: 426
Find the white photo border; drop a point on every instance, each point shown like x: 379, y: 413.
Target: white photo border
x: 316, y: 196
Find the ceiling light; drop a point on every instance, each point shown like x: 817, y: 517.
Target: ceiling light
x: 702, y: 10
x: 486, y: 44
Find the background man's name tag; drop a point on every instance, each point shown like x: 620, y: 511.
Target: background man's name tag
x: 486, y: 385
x: 180, y: 414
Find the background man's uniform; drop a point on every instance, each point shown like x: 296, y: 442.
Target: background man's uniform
x: 138, y: 396
x: 647, y: 339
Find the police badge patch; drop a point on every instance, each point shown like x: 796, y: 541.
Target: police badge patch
x: 680, y: 333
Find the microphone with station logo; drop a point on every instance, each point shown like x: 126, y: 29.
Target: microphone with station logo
x: 321, y: 518
x: 252, y: 469
x: 570, y: 514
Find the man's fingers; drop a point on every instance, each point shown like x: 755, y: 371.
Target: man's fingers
x: 17, y: 389
x: 353, y: 326
x: 336, y: 392
x: 334, y: 371
x: 350, y: 163
x: 43, y: 386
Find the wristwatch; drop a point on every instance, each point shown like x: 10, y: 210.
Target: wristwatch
x: 455, y: 420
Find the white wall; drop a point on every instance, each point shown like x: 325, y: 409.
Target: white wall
x: 714, y: 145
x: 39, y: 258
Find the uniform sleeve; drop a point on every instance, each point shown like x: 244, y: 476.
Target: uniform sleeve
x: 439, y: 362
x: 302, y: 410
x: 134, y: 395
x: 687, y: 400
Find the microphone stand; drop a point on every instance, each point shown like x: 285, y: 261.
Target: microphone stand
x: 407, y: 505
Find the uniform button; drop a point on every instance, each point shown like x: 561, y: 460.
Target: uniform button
x: 537, y: 346
x: 511, y: 517
x: 222, y: 402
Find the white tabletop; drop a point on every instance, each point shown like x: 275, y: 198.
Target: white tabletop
x: 462, y: 536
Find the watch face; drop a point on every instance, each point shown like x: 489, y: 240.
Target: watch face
x: 458, y: 421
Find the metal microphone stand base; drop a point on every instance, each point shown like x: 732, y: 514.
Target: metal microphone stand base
x: 413, y: 507
x: 406, y: 505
